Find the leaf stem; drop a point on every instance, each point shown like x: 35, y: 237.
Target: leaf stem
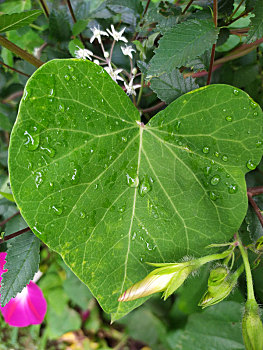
x: 146, y: 8
x: 250, y: 289
x: 237, y: 8
x: 214, y: 45
x: 140, y: 92
x: 11, y: 217
x: 187, y: 6
x: 13, y: 235
x: 20, y: 52
x: 44, y: 7
x: 255, y: 207
x: 13, y: 69
x: 75, y: 20
x: 153, y: 108
x: 243, y: 14
x: 13, y: 96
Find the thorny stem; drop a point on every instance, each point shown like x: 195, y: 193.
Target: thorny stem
x: 13, y: 69
x: 20, y: 52
x: 153, y: 108
x: 13, y: 96
x: 187, y: 6
x: 250, y: 289
x: 13, y: 235
x: 146, y: 8
x: 214, y: 45
x: 11, y: 217
x: 75, y: 20
x: 256, y: 208
x: 237, y: 8
x: 243, y: 14
x: 44, y: 7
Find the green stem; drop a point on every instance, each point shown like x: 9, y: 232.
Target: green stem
x: 20, y: 52
x: 250, y: 289
x: 140, y: 92
x: 44, y: 7
x: 212, y: 257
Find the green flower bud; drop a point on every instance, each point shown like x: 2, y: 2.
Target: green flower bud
x: 220, y: 284
x: 252, y: 327
x: 259, y: 244
x: 167, y: 278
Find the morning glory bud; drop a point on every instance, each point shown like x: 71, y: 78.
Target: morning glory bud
x: 220, y: 284
x: 252, y: 327
x: 167, y: 278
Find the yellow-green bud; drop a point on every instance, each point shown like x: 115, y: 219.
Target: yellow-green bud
x: 220, y: 284
x: 259, y: 244
x: 252, y: 327
x: 166, y: 278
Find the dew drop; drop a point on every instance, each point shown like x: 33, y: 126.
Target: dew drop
x: 224, y: 158
x: 215, y: 180
x: 177, y: 125
x: 145, y: 186
x: 122, y: 209
x: 232, y: 189
x: 32, y: 142
x: 66, y: 77
x: 82, y: 215
x: 259, y: 143
x: 235, y: 92
x: 51, y: 93
x: 251, y: 165
x: 132, y: 179
x: 57, y: 210
x: 229, y: 118
x: 217, y: 154
x: 206, y: 150
x: 213, y: 196
x: 124, y: 139
x: 38, y: 179
x: 61, y: 108
x: 253, y: 104
x: 71, y: 69
x: 207, y: 170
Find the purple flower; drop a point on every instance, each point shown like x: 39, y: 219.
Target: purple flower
x: 27, y: 308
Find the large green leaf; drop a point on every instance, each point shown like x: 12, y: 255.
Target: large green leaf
x: 109, y: 193
x: 17, y: 20
x: 217, y: 328
x: 181, y: 44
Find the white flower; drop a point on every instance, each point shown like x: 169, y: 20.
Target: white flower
x: 97, y: 34
x: 117, y: 35
x: 83, y: 53
x: 36, y: 52
x: 127, y: 50
x: 130, y: 88
x: 114, y: 73
x: 97, y: 62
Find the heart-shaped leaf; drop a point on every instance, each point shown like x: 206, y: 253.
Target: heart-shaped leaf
x: 109, y: 193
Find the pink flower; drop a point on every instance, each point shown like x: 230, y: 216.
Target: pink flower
x: 27, y: 308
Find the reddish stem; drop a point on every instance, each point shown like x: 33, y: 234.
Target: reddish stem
x: 11, y: 217
x: 13, y: 235
x: 153, y: 108
x: 13, y: 69
x: 255, y: 191
x: 255, y: 207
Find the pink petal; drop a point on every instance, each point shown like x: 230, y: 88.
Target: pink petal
x: 28, y: 307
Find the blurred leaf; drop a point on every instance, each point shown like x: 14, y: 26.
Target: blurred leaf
x: 79, y: 26
x: 182, y: 44
x: 57, y: 299
x: 134, y: 5
x: 8, y: 196
x: 22, y: 262
x: 17, y: 20
x: 59, y: 28
x: 13, y: 6
x: 74, y: 45
x: 256, y: 26
x: 5, y: 123
x: 143, y: 325
x: 27, y: 38
x: 7, y: 56
x: 170, y: 86
x: 217, y: 328
x: 231, y: 42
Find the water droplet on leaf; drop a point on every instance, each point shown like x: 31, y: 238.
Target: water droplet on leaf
x: 145, y: 186
x: 251, y: 165
x: 215, y: 180
x: 206, y: 150
x: 229, y: 118
x: 32, y: 141
x: 232, y: 189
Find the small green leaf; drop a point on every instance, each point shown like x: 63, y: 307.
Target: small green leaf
x: 109, y: 193
x: 134, y: 5
x: 256, y: 26
x: 22, y: 262
x: 79, y: 26
x: 170, y: 86
x: 17, y: 20
x: 8, y: 196
x: 182, y: 44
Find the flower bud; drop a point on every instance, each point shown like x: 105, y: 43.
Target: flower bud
x: 134, y: 71
x: 166, y: 278
x: 106, y: 54
x: 220, y: 284
x: 259, y: 244
x: 252, y: 327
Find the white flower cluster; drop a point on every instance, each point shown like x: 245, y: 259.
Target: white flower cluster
x: 127, y: 50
